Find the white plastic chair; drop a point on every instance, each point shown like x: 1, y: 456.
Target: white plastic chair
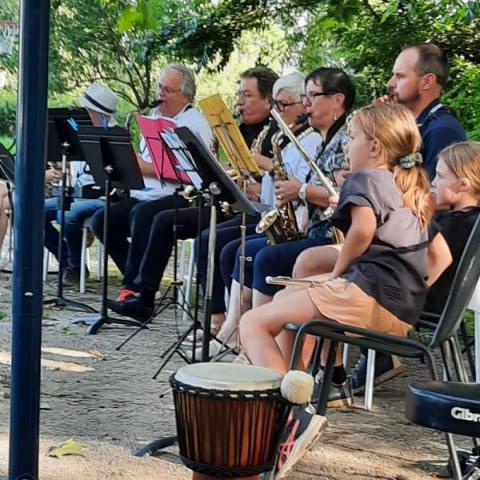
x: 475, y: 306
x: 85, y: 256
x: 184, y: 292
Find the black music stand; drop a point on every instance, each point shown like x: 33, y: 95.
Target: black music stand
x: 113, y: 162
x: 63, y: 146
x: 216, y: 186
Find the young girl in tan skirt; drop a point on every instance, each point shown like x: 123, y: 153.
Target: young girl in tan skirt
x: 380, y: 278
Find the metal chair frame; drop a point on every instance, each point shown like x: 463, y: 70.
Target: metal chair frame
x: 443, y: 340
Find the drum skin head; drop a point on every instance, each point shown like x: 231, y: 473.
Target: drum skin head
x: 228, y: 376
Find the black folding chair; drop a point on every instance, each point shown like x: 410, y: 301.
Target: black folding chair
x: 444, y: 337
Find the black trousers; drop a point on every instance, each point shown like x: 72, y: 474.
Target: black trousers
x: 160, y: 242
x: 134, y: 219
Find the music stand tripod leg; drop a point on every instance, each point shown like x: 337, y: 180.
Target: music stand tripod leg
x: 175, y: 347
x: 60, y: 300
x: 156, y: 445
x: 96, y: 322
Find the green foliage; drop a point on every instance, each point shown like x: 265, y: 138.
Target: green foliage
x: 87, y: 45
x: 464, y: 97
x: 267, y: 47
x: 8, y: 111
x: 9, y: 12
x: 364, y: 37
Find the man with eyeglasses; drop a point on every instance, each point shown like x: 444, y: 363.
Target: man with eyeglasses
x: 133, y: 216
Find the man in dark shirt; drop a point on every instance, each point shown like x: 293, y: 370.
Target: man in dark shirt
x: 419, y: 77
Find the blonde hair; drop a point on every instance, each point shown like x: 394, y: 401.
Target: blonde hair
x: 393, y: 125
x: 463, y: 160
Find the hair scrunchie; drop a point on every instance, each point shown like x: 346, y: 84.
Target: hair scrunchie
x: 410, y: 160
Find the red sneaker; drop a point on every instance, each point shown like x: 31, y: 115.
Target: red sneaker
x: 124, y: 294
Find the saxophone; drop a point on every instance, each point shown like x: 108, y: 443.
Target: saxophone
x: 257, y: 144
x: 279, y: 224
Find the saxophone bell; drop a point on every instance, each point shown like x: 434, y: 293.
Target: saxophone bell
x: 189, y: 193
x: 279, y: 224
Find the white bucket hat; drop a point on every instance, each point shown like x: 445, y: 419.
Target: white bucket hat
x: 100, y: 99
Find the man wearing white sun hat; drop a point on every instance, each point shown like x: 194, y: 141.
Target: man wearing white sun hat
x: 101, y: 105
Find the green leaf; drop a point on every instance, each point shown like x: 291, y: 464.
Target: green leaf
x: 129, y: 19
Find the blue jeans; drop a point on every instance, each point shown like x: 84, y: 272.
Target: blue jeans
x: 79, y: 211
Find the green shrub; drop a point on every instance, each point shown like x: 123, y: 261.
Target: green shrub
x: 464, y: 97
x: 8, y: 109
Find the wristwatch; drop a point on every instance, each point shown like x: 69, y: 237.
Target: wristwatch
x: 302, y: 193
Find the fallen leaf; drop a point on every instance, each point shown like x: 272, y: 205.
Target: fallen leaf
x: 69, y: 447
x: 95, y: 353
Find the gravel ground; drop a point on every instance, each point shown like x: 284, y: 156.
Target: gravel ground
x: 108, y: 400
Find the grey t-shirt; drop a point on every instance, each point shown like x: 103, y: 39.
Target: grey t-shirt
x: 394, y: 268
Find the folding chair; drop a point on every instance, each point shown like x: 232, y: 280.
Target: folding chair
x: 443, y: 340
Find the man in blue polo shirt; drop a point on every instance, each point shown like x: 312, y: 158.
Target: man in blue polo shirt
x: 419, y: 77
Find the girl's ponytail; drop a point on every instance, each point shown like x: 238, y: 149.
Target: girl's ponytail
x: 395, y: 128
x: 413, y: 182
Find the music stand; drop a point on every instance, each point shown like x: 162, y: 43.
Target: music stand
x: 113, y: 162
x: 240, y: 157
x: 62, y: 146
x: 229, y: 136
x: 217, y: 186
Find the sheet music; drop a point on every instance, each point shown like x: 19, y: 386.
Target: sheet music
x: 183, y: 156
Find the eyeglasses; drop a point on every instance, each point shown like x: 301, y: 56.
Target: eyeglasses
x: 310, y: 96
x: 167, y: 90
x: 281, y: 105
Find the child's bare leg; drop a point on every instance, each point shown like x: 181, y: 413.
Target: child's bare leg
x: 259, y: 327
x: 316, y: 260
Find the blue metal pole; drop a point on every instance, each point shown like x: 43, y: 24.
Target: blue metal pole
x: 27, y: 268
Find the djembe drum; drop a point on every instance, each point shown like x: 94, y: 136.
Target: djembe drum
x: 229, y: 418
